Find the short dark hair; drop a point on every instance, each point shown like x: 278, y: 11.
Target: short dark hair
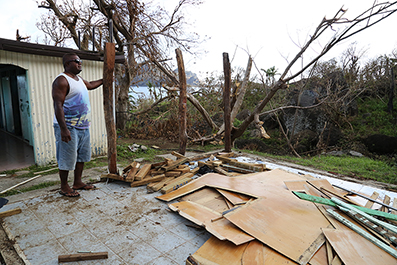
x: 66, y: 57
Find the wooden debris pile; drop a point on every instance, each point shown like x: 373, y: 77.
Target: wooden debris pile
x: 265, y: 218
x: 170, y: 174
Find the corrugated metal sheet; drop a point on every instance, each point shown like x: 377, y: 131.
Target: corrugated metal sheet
x: 41, y: 71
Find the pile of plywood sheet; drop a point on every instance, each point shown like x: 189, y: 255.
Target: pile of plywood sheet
x: 258, y: 219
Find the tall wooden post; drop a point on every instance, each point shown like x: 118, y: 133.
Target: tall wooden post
x: 182, y: 102
x: 226, y: 101
x: 108, y: 69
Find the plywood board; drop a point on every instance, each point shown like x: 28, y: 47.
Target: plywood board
x: 209, y: 198
x: 217, y: 252
x: 354, y: 249
x: 234, y: 197
x: 221, y: 228
x: 281, y: 215
x: 255, y: 185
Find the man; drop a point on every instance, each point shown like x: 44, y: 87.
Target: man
x: 71, y: 123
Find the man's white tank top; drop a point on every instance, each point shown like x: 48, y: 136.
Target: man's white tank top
x: 77, y: 106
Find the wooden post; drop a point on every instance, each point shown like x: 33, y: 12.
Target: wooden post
x: 108, y: 68
x: 226, y: 101
x: 182, y: 102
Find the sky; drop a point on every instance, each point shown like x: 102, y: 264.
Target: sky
x: 270, y: 31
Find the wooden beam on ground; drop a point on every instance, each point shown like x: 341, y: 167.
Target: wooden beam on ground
x: 178, y: 155
x: 108, y: 69
x: 113, y: 176
x: 147, y: 180
x: 182, y: 102
x: 159, y: 185
x: 237, y: 169
x: 221, y: 171
x: 174, y: 164
x: 201, y: 156
x: 142, y: 173
x: 82, y: 256
x: 176, y: 183
x: 134, y: 169
x: 10, y: 212
x: 250, y: 166
x: 386, y: 200
x: 19, y: 184
x: 374, y: 196
x: 226, y: 102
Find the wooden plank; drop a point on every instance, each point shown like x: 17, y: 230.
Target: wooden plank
x: 178, y: 155
x: 203, y: 216
x: 134, y: 169
x: 147, y: 180
x: 82, y: 256
x: 234, y: 198
x: 19, y: 184
x: 158, y: 185
x: 386, y: 200
x: 177, y: 183
x: 339, y: 196
x: 174, y: 164
x: 143, y: 172
x: 395, y: 206
x: 10, y: 212
x: 108, y: 107
x: 112, y: 176
x: 222, y: 171
x: 234, y: 162
x: 360, y: 252
x: 369, y: 203
x: 237, y: 169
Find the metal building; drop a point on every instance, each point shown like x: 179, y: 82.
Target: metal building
x: 26, y: 109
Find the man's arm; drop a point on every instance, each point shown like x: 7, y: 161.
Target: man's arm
x: 60, y: 88
x: 93, y: 84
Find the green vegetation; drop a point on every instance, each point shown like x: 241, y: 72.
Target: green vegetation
x: 373, y: 118
x: 356, y: 167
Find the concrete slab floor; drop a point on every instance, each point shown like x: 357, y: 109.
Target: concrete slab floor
x: 128, y: 223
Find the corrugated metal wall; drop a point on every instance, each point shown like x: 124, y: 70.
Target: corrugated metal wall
x: 41, y: 71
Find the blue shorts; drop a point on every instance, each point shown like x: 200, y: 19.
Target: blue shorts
x: 76, y: 150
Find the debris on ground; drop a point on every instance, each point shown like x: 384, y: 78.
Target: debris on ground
x: 262, y: 216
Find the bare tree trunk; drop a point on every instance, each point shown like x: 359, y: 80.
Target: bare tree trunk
x: 240, y: 97
x: 122, y: 96
x: 182, y: 102
x: 108, y: 68
x: 280, y: 84
x: 226, y: 101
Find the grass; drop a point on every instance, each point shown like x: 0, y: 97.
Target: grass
x: 357, y: 167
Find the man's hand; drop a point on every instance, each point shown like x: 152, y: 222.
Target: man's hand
x: 65, y: 135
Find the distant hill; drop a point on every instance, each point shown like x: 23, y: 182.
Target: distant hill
x: 191, y: 80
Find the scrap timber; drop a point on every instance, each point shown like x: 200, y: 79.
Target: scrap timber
x: 261, y: 216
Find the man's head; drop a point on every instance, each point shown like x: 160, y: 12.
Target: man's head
x: 72, y: 63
